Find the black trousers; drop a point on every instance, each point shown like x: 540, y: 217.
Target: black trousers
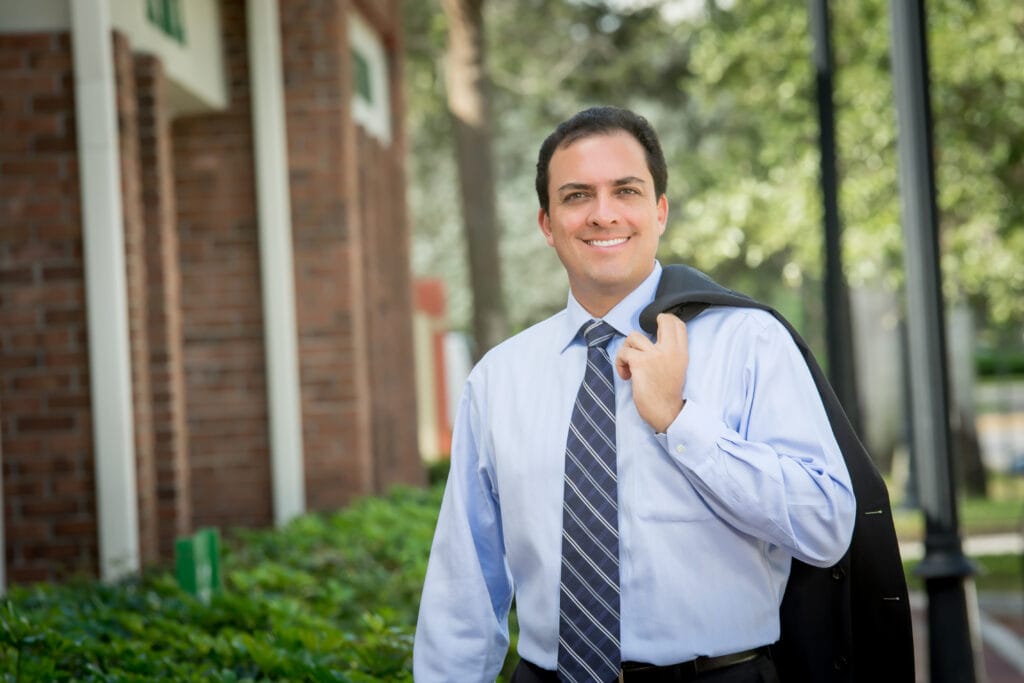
x: 758, y: 670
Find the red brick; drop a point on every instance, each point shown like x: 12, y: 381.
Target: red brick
x: 73, y: 273
x: 35, y: 530
x: 30, y: 167
x: 51, y: 508
x: 75, y: 529
x: 52, y: 551
x: 46, y: 423
x: 41, y: 382
x: 10, y: 361
x: 20, y: 276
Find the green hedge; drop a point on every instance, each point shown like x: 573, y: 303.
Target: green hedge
x: 327, y: 599
x: 997, y: 364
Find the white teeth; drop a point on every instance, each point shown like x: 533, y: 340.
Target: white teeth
x: 607, y: 243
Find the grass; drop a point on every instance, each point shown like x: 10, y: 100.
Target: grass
x: 995, y: 573
x: 977, y: 517
x: 1002, y: 512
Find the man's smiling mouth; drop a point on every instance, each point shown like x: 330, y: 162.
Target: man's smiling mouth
x: 607, y: 243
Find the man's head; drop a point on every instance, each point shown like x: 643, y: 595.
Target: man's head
x: 601, y: 121
x: 604, y: 208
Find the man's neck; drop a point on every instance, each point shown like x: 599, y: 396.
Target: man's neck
x: 597, y: 301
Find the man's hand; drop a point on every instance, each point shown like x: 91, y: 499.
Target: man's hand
x: 658, y: 371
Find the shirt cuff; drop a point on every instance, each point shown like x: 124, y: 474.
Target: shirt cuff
x: 693, y: 434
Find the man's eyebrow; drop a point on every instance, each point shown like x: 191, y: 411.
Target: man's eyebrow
x: 618, y: 182
x: 628, y: 180
x: 575, y: 186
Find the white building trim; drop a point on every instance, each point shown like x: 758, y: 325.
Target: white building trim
x: 369, y: 70
x: 105, y: 283
x: 275, y: 227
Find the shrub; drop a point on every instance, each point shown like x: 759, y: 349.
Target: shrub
x: 328, y: 598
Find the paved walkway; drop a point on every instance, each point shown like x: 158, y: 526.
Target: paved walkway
x: 1001, y: 631
x: 1000, y: 616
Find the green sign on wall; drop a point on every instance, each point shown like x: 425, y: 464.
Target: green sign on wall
x: 197, y: 563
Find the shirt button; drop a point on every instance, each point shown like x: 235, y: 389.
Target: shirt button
x: 680, y: 449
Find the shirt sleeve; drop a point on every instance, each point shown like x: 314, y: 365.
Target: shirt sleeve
x: 767, y: 461
x: 462, y: 629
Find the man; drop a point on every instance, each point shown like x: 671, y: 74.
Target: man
x: 644, y: 520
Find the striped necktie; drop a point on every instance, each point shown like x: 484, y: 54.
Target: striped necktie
x: 588, y: 630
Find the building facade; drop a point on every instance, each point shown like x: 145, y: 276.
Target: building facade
x: 205, y: 296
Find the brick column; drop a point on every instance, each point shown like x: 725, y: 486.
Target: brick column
x: 354, y: 295
x: 222, y: 319
x: 48, y: 470
x: 389, y: 288
x: 166, y: 357
x: 330, y: 294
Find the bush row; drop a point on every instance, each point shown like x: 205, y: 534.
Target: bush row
x: 329, y: 598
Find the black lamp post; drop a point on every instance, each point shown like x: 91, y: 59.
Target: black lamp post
x: 838, y: 328
x: 945, y: 569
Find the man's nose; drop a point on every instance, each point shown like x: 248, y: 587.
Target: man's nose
x: 603, y: 212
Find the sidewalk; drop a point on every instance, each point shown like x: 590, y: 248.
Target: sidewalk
x: 1000, y: 617
x: 1001, y: 627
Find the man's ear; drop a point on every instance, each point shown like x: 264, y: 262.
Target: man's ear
x: 662, y: 213
x: 544, y: 221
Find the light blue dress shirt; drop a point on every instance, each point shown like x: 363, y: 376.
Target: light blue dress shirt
x: 710, y: 513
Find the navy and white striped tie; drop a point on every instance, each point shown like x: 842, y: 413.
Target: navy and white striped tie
x: 588, y: 630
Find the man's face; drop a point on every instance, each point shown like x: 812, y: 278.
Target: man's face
x: 604, y: 219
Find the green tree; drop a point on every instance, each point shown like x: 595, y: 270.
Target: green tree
x: 730, y: 88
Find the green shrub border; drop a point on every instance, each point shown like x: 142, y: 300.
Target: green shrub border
x: 329, y: 598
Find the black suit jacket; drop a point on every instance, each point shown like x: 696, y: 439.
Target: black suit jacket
x: 849, y: 622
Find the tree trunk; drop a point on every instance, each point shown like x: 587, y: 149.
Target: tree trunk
x: 470, y: 107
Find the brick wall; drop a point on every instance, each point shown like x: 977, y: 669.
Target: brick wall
x: 166, y: 369
x: 194, y: 295
x: 353, y: 291
x: 137, y: 291
x: 389, y: 290
x: 222, y: 321
x: 389, y: 296
x: 49, y: 491
x: 328, y: 267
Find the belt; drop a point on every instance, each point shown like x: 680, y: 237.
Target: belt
x: 635, y: 672
x: 686, y: 671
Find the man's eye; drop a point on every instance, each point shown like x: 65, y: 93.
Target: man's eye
x: 573, y: 196
x: 628, y: 190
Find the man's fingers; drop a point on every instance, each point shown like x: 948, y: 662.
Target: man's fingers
x: 622, y: 364
x: 670, y: 328
x: 639, y: 341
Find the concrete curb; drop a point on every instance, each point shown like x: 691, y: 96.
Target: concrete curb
x: 994, y: 544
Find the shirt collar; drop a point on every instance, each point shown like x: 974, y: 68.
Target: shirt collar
x: 624, y: 317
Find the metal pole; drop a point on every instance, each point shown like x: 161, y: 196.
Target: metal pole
x: 838, y: 328
x: 945, y: 569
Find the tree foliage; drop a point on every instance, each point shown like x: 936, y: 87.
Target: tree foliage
x: 730, y: 88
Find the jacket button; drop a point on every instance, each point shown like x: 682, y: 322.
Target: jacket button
x: 842, y: 662
x: 838, y: 572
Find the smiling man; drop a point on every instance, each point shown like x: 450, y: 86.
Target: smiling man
x: 641, y: 499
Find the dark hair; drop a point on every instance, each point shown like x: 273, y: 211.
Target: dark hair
x: 602, y: 121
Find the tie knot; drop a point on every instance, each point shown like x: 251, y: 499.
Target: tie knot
x: 598, y: 333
